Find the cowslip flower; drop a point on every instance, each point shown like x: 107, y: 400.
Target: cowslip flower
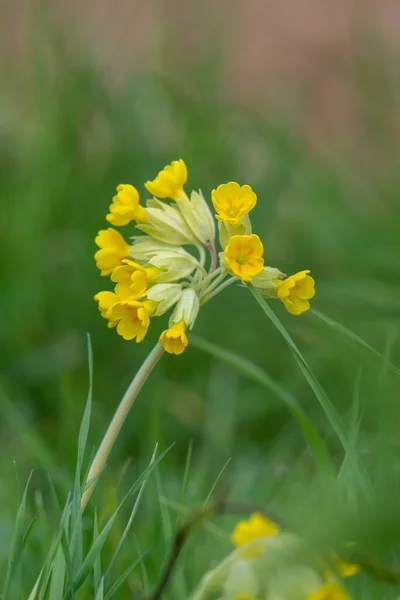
x: 132, y: 279
x: 233, y: 202
x: 243, y: 256
x: 169, y: 181
x: 113, y: 249
x: 257, y: 526
x: 174, y: 339
x: 132, y: 318
x: 175, y: 264
x: 296, y: 291
x: 125, y: 206
x: 329, y: 591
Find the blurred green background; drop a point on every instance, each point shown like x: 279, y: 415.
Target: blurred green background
x: 328, y: 200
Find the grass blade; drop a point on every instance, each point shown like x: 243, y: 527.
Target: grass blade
x: 258, y: 375
x: 354, y: 337
x: 58, y: 576
x: 13, y: 580
x: 123, y: 577
x: 326, y: 404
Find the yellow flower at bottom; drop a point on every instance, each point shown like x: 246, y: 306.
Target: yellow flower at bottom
x: 132, y: 279
x: 257, y: 526
x: 243, y: 256
x: 174, y: 339
x: 125, y: 206
x: 132, y: 318
x: 233, y: 202
x: 329, y: 591
x: 113, y: 249
x: 169, y: 182
x: 296, y: 291
x: 244, y: 596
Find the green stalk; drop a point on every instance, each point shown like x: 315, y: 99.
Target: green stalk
x: 118, y: 420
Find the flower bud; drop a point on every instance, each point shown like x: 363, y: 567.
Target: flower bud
x: 166, y: 224
x: 187, y: 308
x: 198, y: 216
x: 226, y: 231
x: 165, y: 294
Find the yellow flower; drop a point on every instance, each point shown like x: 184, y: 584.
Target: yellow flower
x: 256, y: 527
x: 295, y: 292
x: 132, y: 279
x: 174, y: 339
x: 232, y: 202
x: 132, y: 318
x: 106, y: 301
x: 329, y: 591
x: 169, y: 182
x: 125, y: 206
x: 113, y: 248
x: 346, y: 569
x: 243, y: 256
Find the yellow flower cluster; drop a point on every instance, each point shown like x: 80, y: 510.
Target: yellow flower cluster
x: 156, y: 273
x: 264, y: 549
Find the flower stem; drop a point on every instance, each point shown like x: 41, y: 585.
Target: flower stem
x: 213, y: 292
x: 117, y: 421
x: 214, y: 258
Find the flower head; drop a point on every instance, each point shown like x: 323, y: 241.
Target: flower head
x: 329, y: 591
x: 243, y: 256
x: 174, y: 339
x: 257, y: 526
x: 132, y: 318
x: 169, y: 182
x: 125, y: 206
x: 113, y: 249
x: 198, y: 216
x: 295, y: 292
x: 106, y: 301
x: 132, y: 279
x: 232, y: 202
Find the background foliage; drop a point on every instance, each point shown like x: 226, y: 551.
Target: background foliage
x: 68, y: 137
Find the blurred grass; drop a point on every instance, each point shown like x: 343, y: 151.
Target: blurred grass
x: 66, y: 141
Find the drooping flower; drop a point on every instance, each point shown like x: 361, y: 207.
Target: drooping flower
x: 113, y: 249
x: 257, y: 526
x: 174, y: 339
x: 132, y: 279
x: 106, y: 301
x: 296, y: 291
x: 329, y: 591
x: 243, y: 256
x: 169, y: 182
x: 232, y: 202
x: 132, y: 318
x: 185, y: 313
x: 125, y: 206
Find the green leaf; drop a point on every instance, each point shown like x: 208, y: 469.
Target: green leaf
x: 58, y: 575
x: 123, y: 577
x: 354, y: 337
x: 258, y: 375
x: 13, y: 581
x: 326, y: 404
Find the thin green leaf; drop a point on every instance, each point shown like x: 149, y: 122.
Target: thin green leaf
x: 76, y: 510
x: 123, y: 577
x: 97, y: 563
x: 131, y: 518
x: 326, y: 404
x: 13, y: 581
x: 100, y: 590
x: 215, y: 484
x: 258, y: 375
x: 355, y: 337
x: 58, y: 575
x: 186, y: 472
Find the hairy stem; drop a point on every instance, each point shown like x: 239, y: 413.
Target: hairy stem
x: 117, y: 421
